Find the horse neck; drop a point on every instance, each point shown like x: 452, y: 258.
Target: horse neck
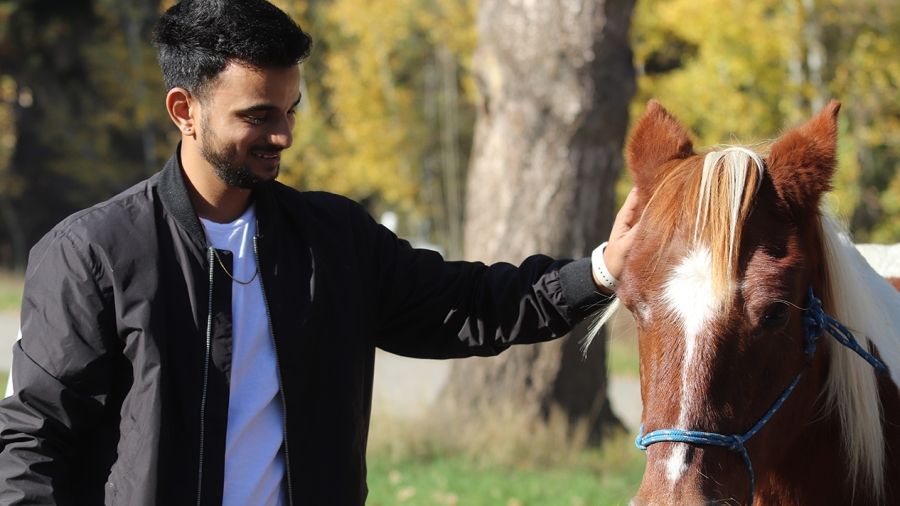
x: 815, y: 467
x: 890, y: 402
x: 814, y: 470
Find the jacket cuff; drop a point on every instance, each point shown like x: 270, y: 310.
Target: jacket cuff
x: 581, y: 294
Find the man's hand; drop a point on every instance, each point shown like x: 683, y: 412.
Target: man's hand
x: 621, y: 237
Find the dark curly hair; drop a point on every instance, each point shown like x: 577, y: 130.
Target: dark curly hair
x: 195, y: 40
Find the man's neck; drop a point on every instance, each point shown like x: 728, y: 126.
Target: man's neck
x: 211, y: 197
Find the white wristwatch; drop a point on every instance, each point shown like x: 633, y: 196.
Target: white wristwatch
x: 601, y: 273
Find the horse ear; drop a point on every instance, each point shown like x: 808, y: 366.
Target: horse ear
x: 657, y: 138
x: 802, y: 161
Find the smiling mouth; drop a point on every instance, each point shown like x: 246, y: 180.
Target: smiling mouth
x: 267, y: 156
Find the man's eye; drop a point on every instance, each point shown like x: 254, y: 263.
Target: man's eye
x: 255, y: 120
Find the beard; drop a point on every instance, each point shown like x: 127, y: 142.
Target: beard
x: 224, y: 162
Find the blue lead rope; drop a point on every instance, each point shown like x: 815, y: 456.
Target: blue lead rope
x: 815, y: 322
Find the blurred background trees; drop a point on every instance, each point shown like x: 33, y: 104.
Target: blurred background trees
x: 390, y: 109
x: 82, y: 94
x: 392, y: 96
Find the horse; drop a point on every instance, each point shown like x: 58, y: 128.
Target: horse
x: 769, y: 349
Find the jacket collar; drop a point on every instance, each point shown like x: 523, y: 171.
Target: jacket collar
x: 174, y: 195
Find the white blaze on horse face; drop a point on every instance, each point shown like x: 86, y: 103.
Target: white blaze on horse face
x: 689, y: 295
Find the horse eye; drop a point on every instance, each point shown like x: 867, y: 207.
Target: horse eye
x: 776, y: 315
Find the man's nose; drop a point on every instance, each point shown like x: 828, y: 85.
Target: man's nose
x: 281, y: 134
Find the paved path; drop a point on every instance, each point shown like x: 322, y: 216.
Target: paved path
x: 625, y: 397
x: 408, y: 387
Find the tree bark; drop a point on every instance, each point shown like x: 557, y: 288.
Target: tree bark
x: 555, y: 79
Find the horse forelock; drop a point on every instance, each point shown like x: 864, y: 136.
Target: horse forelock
x: 715, y: 196
x: 714, y: 193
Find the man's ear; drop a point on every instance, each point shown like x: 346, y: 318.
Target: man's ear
x: 802, y: 161
x: 180, y: 105
x: 656, y: 139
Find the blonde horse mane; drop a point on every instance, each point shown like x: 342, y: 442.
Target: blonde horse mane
x: 870, y: 307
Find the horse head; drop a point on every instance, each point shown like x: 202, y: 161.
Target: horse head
x: 733, y: 254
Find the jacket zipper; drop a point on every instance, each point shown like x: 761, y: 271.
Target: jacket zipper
x: 209, y: 320
x: 287, y: 458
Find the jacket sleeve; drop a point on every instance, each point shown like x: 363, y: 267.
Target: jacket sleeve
x: 61, y: 373
x: 432, y: 308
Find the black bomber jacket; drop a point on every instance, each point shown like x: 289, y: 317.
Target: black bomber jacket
x: 122, y: 373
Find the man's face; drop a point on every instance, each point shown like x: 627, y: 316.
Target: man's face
x: 246, y: 120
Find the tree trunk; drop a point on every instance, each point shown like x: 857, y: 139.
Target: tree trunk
x: 556, y: 78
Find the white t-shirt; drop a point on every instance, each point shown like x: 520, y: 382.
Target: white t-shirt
x: 254, y: 462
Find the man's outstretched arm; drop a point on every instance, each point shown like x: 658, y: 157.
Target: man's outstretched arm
x: 427, y: 307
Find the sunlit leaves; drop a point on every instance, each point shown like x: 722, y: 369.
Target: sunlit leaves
x: 364, y: 129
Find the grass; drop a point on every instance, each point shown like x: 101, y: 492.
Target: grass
x: 502, y: 460
x: 10, y: 291
x: 4, y: 376
x: 608, y: 476
x: 505, y: 460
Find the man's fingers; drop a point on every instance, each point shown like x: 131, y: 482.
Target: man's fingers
x: 623, y: 233
x: 628, y: 214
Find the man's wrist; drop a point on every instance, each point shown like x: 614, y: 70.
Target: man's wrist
x: 602, y: 277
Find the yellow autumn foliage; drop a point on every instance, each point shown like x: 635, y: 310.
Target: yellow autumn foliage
x: 737, y: 71
x: 363, y: 129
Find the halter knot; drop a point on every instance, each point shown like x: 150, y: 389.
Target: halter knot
x: 814, y: 323
x: 737, y: 444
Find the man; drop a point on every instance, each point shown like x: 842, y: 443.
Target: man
x: 208, y: 336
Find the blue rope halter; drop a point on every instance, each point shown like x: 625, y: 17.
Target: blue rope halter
x: 815, y: 323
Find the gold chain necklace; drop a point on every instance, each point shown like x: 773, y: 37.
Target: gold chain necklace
x: 236, y: 280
